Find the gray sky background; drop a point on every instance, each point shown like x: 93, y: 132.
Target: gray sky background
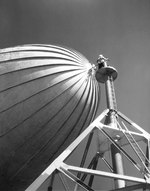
x: 119, y: 29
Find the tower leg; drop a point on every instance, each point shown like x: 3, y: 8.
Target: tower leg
x: 117, y: 165
x: 147, y: 161
x: 148, y: 154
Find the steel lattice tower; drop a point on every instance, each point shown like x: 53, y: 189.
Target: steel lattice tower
x: 111, y: 126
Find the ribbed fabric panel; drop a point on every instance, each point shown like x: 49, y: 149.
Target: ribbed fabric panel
x: 48, y: 95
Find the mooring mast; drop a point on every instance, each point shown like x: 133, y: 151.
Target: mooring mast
x: 107, y: 74
x: 116, y: 129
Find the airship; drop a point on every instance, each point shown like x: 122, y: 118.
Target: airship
x: 48, y: 96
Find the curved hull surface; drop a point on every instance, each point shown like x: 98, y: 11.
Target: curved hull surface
x: 48, y: 95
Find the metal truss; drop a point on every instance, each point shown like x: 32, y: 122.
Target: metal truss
x: 129, y: 133
x: 111, y: 127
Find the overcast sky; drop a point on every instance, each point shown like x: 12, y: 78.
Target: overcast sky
x: 119, y: 29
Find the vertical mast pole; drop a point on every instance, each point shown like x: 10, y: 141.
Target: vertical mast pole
x: 107, y: 74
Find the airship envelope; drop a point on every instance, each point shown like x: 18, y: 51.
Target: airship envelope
x: 48, y: 95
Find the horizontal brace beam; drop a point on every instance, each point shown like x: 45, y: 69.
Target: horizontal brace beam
x: 140, y: 135
x: 133, y: 187
x: 104, y: 174
x: 103, y: 142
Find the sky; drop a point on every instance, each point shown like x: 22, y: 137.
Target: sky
x: 118, y: 29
